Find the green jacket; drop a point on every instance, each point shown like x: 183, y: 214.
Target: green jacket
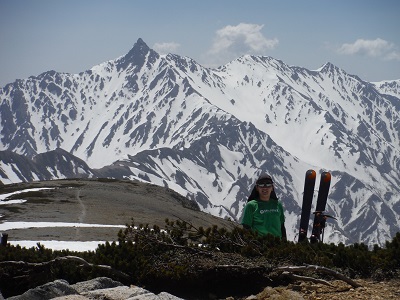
x: 264, y: 217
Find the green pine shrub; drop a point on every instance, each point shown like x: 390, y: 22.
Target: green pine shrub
x: 181, y: 254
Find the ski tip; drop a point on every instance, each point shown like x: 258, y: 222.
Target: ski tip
x: 311, y: 174
x: 326, y: 176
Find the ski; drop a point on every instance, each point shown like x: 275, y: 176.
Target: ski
x: 308, y: 194
x: 319, y: 216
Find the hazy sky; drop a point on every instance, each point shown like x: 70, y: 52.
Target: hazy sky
x: 360, y: 36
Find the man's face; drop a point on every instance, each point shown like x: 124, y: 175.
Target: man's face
x: 264, y: 190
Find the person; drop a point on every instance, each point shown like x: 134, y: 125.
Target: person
x: 264, y: 212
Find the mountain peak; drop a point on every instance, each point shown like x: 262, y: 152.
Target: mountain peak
x: 328, y: 68
x: 137, y: 55
x: 140, y: 46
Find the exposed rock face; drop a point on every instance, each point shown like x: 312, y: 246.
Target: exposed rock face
x: 99, y: 288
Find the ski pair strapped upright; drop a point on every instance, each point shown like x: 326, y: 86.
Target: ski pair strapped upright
x: 319, y: 216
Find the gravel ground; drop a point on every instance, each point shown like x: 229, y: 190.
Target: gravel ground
x: 107, y: 202
x: 371, y: 290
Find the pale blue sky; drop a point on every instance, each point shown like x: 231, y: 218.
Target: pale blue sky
x: 360, y: 36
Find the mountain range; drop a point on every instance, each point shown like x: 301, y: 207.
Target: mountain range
x: 207, y: 133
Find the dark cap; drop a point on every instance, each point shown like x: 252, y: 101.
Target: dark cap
x: 264, y: 178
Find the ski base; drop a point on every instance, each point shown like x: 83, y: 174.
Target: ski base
x: 319, y: 216
x: 308, y: 194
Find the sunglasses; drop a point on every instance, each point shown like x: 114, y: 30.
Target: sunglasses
x: 264, y: 185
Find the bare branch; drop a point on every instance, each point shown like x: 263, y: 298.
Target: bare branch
x: 153, y: 239
x: 319, y: 270
x: 65, y: 258
x: 306, y: 278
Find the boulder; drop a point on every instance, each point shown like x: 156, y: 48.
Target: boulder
x: 98, y: 288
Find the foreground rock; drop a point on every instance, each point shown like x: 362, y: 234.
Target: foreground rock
x: 103, y: 288
x: 99, y: 288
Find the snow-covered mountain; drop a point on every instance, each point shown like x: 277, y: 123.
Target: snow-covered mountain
x: 208, y: 133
